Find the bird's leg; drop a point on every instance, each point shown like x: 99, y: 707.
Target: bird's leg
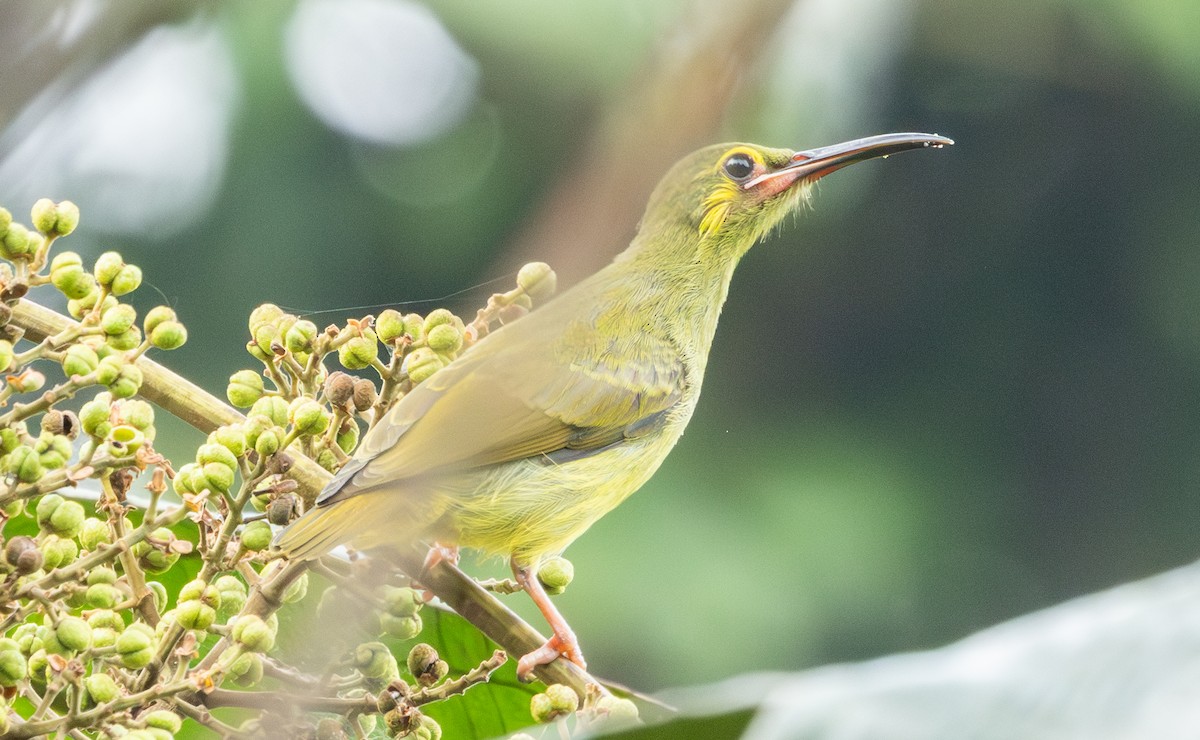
x: 562, y: 642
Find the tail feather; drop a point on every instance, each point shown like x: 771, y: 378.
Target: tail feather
x: 358, y: 521
x: 321, y: 529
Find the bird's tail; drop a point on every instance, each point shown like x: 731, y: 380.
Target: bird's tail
x: 323, y: 528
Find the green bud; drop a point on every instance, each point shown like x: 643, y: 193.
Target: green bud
x: 101, y: 688
x: 107, y: 266
x: 300, y: 337
x: 127, y: 382
x: 17, y: 243
x: 253, y: 633
x: 616, y: 712
x: 327, y: 460
x: 247, y: 670
x: 389, y: 326
x: 157, y: 589
x: 538, y: 280
x: 127, y: 280
x: 195, y: 615
x: 55, y: 219
x: 53, y: 450
x: 93, y: 533
x: 5, y: 219
x: 46, y: 506
x: 126, y: 340
x: 347, y: 437
x: 94, y: 416
x: 402, y: 628
x: 9, y: 440
x: 156, y: 316
x: 79, y: 359
x: 74, y: 634
x: 414, y: 326
x: 308, y: 417
x: 426, y: 728
x: 556, y: 574
x: 109, y: 369
x: 13, y: 666
x: 267, y: 313
x: 103, y: 596
x: 103, y: 637
x: 66, y: 519
x: 438, y: 317
x: 232, y: 438
x: 422, y: 363
x: 558, y: 701
x: 268, y: 443
x: 245, y: 387
x: 38, y: 665
x: 402, y: 602
x: 272, y: 407
x: 135, y: 646
x: 101, y: 574
x: 73, y: 281
x: 233, y: 596
x: 27, y: 381
x: 216, y: 477
x: 58, y: 551
x: 445, y: 339
x: 375, y: 661
x: 118, y: 319
x: 216, y: 453
x: 6, y: 355
x: 25, y: 464
x: 168, y: 335
x: 359, y: 352
x: 256, y: 536
x: 164, y: 720
x: 138, y: 414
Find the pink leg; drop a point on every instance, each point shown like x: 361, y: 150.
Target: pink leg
x: 563, y: 642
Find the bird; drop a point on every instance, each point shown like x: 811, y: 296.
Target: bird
x: 525, y: 440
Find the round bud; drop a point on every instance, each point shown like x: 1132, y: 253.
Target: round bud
x: 402, y: 602
x: 253, y: 633
x: 268, y: 443
x: 79, y: 359
x: 6, y: 355
x: 538, y: 280
x: 27, y: 381
x: 364, y: 394
x: 124, y: 341
x: 421, y: 364
x: 215, y: 453
x: 256, y: 536
x: 402, y: 628
x: 272, y: 407
x: 617, y: 711
x: 101, y: 688
x: 245, y: 387
x: 425, y: 665
x: 339, y: 388
x: 445, y: 339
x: 414, y: 326
x: 17, y: 243
x: 375, y: 661
x: 267, y: 313
x: 135, y: 646
x: 195, y: 615
x: 157, y: 316
x: 426, y: 728
x: 308, y: 417
x: 102, y: 596
x: 168, y: 335
x: 297, y: 590
x: 247, y: 670
x: 93, y: 533
x: 25, y: 464
x: 233, y: 596
x: 107, y: 266
x: 389, y: 326
x: 216, y: 477
x: 138, y: 414
x: 73, y: 281
x: 44, y: 216
x: 127, y: 280
x: 127, y: 382
x: 231, y: 437
x: 46, y: 506
x: 23, y: 555
x: 13, y: 666
x: 118, y: 319
x: 300, y: 336
x: 74, y: 634
x: 347, y: 436
x: 66, y: 519
x: 360, y: 351
x: 163, y: 719
x: 437, y: 317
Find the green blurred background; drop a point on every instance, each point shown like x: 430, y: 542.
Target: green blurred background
x: 962, y: 386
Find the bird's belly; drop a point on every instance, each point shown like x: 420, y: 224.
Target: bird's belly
x: 529, y: 509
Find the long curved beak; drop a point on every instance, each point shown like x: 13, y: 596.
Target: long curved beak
x: 812, y: 164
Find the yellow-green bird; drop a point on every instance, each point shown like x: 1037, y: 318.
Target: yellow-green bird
x: 545, y: 425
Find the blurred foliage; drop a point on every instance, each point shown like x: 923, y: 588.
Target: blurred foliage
x: 956, y: 391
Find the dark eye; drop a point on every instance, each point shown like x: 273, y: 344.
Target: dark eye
x: 739, y: 166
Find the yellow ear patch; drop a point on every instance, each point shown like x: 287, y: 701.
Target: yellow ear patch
x: 719, y: 200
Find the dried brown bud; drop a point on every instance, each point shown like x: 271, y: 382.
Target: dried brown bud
x: 364, y: 394
x: 339, y: 388
x: 283, y: 509
x: 23, y: 554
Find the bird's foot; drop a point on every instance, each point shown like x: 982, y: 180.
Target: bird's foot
x: 565, y: 645
x: 440, y: 553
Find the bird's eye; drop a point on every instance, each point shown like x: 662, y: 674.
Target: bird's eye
x: 739, y: 166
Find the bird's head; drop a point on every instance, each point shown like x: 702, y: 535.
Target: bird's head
x: 731, y: 195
